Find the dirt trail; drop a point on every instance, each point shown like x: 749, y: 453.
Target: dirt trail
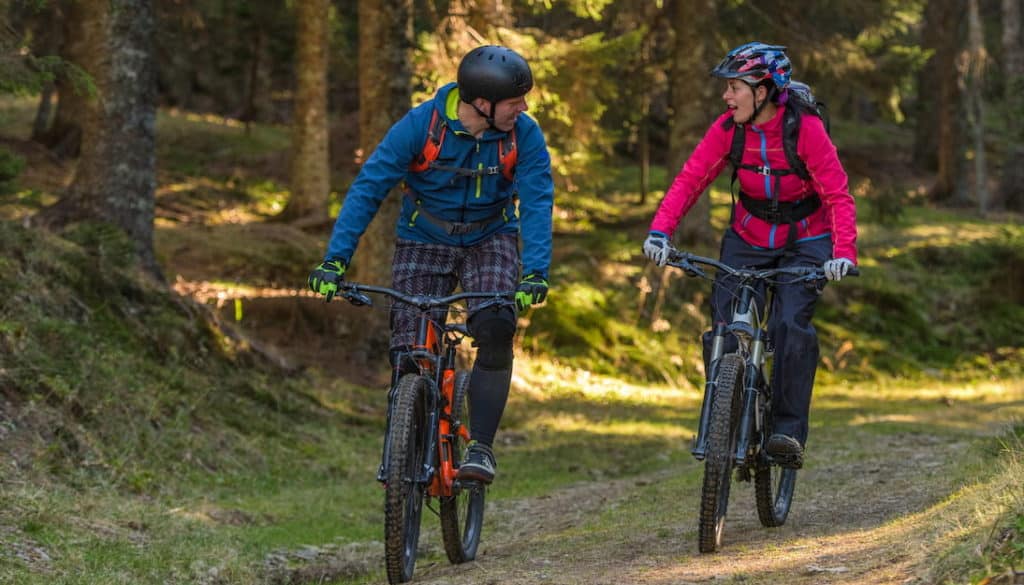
x: 843, y: 528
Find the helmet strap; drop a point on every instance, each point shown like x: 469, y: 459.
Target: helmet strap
x: 759, y: 107
x: 489, y: 118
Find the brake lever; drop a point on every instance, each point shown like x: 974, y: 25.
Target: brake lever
x: 357, y: 298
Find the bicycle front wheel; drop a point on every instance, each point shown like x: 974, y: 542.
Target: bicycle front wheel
x: 462, y: 514
x: 714, y: 496
x: 773, y: 490
x: 403, y: 499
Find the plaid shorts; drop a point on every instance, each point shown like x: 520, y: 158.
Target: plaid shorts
x: 436, y: 269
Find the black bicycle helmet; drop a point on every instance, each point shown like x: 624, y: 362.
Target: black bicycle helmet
x: 494, y: 73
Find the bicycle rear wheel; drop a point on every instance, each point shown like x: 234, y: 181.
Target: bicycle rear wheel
x: 462, y: 514
x: 773, y: 490
x: 714, y: 496
x: 403, y: 499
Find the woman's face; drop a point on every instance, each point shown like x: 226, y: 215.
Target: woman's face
x: 739, y: 97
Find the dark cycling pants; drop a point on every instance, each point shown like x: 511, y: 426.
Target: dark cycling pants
x: 790, y: 328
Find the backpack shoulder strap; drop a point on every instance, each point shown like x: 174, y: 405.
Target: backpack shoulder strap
x: 739, y: 141
x: 432, y: 146
x: 790, y: 135
x: 508, y: 153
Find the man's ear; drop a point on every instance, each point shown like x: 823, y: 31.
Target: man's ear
x: 482, y: 104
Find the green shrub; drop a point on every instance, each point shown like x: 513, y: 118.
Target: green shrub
x: 11, y: 165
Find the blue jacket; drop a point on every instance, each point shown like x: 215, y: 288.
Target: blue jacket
x: 449, y: 196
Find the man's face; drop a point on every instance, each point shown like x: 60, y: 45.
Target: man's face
x: 506, y: 112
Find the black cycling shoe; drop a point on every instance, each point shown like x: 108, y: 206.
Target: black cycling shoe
x: 479, y: 464
x: 785, y: 450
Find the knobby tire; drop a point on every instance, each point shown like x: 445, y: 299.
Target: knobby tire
x: 403, y: 500
x: 725, y: 407
x: 462, y: 514
x: 773, y: 490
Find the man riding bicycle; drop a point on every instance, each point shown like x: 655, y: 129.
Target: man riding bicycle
x: 466, y: 157
x: 783, y: 217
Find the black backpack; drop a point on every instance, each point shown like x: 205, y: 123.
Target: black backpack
x: 801, y: 101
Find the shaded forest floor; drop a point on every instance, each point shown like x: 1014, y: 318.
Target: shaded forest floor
x: 249, y: 457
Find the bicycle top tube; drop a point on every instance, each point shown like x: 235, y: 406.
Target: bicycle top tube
x: 354, y: 293
x: 686, y: 261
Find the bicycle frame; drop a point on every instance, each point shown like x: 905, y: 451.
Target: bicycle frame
x: 434, y: 354
x: 749, y: 325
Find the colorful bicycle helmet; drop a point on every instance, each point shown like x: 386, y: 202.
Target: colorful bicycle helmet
x: 756, y: 62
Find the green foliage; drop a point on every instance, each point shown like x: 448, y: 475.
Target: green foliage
x: 11, y: 165
x: 988, y: 546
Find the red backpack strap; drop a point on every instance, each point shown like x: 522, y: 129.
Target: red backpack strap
x: 507, y: 158
x: 432, y: 146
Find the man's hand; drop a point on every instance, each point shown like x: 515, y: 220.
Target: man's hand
x: 325, y: 278
x: 836, y: 268
x: 532, y: 290
x: 656, y: 248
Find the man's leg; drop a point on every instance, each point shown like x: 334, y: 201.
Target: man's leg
x: 418, y: 269
x: 490, y: 267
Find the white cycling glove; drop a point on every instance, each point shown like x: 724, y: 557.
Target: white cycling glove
x: 836, y: 268
x: 656, y: 248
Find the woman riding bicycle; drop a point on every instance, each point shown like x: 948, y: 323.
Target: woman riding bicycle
x: 459, y: 222
x: 779, y: 220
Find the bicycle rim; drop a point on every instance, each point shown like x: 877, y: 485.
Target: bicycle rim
x: 403, y: 499
x: 714, y: 498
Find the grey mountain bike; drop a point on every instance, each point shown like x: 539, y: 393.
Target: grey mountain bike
x: 736, y: 413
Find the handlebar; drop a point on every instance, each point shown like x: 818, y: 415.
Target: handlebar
x: 687, y: 262
x: 354, y: 293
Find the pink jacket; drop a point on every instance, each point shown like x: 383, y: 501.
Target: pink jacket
x: 836, y: 217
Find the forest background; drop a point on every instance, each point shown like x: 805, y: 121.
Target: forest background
x: 169, y: 171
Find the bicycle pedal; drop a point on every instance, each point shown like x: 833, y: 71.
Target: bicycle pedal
x: 788, y: 461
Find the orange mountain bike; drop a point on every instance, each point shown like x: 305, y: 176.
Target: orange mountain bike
x: 427, y: 430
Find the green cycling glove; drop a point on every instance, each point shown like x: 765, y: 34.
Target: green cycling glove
x: 325, y: 278
x: 532, y: 290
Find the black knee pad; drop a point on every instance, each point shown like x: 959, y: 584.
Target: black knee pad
x: 493, y: 329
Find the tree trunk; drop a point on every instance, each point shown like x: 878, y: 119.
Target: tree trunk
x: 644, y: 134
x: 115, y: 180
x: 976, y: 103
x: 1011, y: 190
x: 385, y: 44
x: 939, y: 137
x: 694, y: 46
x: 74, y: 104
x: 310, y: 171
x: 46, y: 28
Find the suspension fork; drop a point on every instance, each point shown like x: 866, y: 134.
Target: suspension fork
x: 751, y: 384
x: 382, y: 471
x: 717, y: 348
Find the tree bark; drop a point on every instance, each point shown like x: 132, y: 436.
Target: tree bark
x: 1011, y: 190
x: 310, y: 171
x: 64, y: 135
x: 115, y: 181
x: 976, y: 103
x: 939, y: 136
x: 694, y: 47
x: 385, y: 45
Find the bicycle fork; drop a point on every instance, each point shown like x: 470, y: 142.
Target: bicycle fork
x: 699, y: 450
x: 749, y: 415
